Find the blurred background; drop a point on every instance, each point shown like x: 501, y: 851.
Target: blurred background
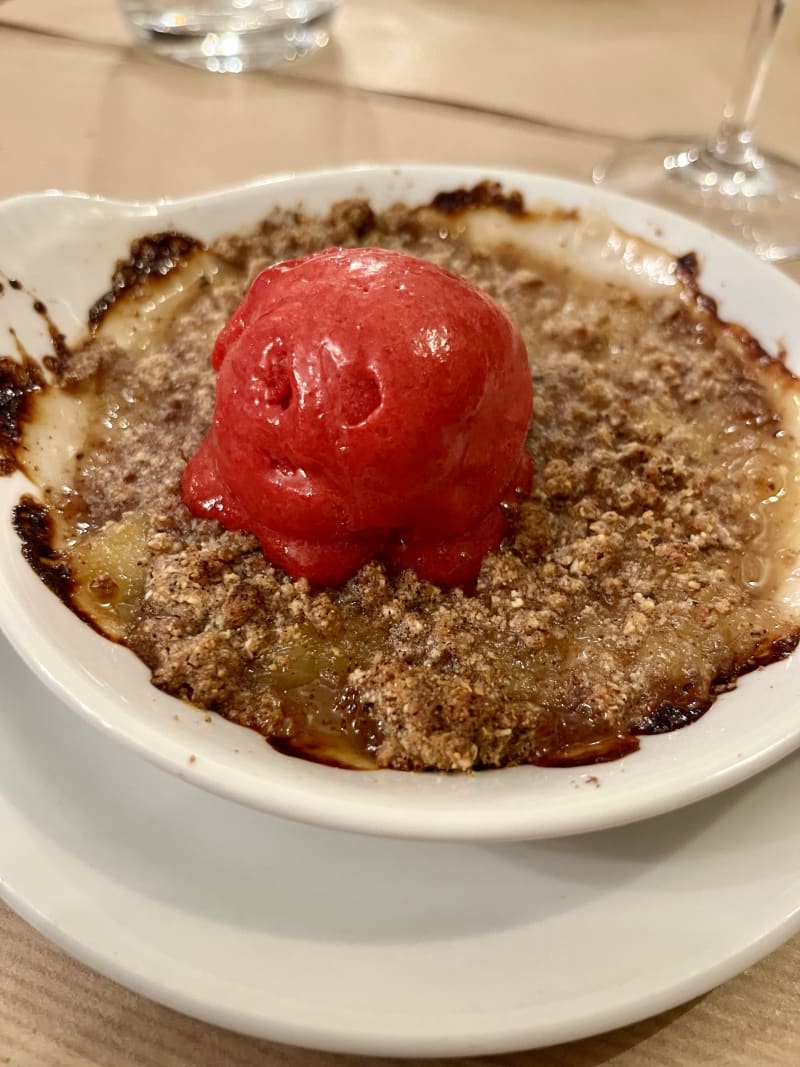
x: 543, y: 84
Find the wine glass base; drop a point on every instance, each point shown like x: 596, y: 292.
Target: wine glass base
x: 756, y: 203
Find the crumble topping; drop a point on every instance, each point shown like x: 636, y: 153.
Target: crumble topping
x: 636, y: 582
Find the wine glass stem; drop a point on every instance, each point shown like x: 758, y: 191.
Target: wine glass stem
x: 733, y: 141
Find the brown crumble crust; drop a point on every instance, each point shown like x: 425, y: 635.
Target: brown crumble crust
x: 618, y: 597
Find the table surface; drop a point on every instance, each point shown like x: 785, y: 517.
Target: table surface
x: 548, y: 85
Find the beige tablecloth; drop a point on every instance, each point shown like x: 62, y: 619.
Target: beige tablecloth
x: 545, y: 85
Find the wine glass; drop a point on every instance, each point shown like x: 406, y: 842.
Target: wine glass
x: 752, y: 196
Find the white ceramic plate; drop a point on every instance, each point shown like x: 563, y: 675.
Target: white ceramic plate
x: 358, y: 944
x: 64, y: 247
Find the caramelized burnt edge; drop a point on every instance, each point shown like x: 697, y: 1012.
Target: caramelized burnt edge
x: 23, y: 377
x: 484, y: 194
x: 19, y: 380
x: 33, y: 523
x: 687, y: 270
x: 61, y: 351
x: 488, y: 194
x: 667, y: 717
x: 36, y: 531
x: 154, y: 255
x: 312, y: 751
x: 603, y: 750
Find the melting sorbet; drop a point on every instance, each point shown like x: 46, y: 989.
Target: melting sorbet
x: 368, y: 405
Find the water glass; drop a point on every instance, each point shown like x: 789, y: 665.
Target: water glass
x: 229, y: 36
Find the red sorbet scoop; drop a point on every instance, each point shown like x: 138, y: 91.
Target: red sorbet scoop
x: 369, y: 404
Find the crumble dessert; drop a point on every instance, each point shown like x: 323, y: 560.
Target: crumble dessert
x: 638, y: 579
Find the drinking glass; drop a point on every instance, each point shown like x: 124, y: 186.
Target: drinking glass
x: 229, y: 36
x: 728, y: 183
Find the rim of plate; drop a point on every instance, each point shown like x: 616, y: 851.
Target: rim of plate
x: 27, y: 885
x: 726, y: 746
